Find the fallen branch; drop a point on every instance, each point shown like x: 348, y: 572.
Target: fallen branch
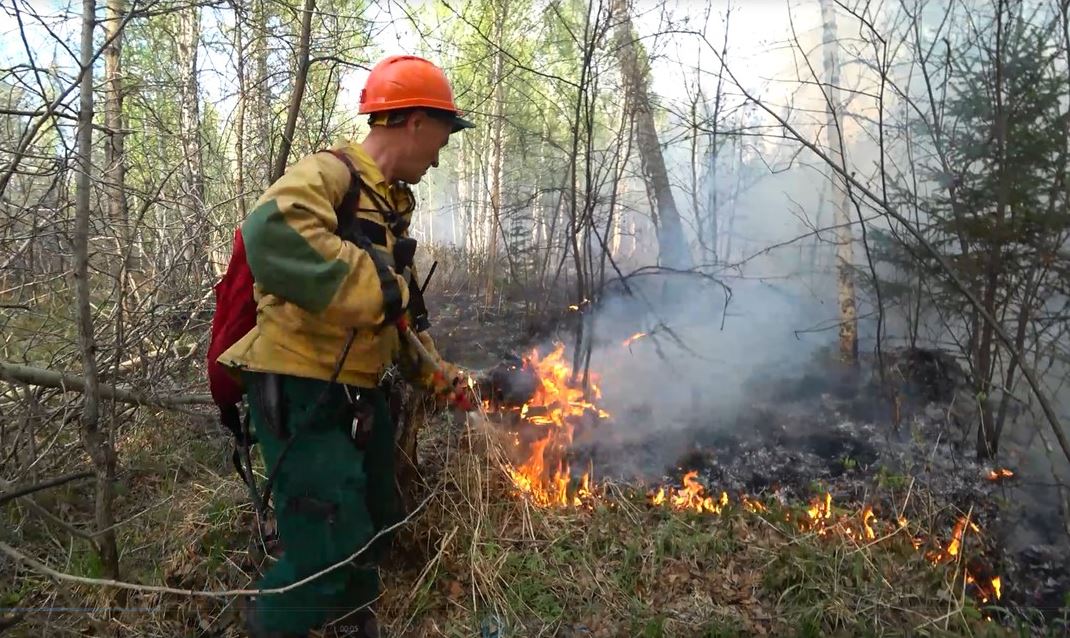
x: 40, y: 567
x: 44, y: 485
x: 69, y: 383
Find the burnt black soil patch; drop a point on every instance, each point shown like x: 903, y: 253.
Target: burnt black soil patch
x: 824, y: 430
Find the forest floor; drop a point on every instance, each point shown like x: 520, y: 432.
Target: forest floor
x: 478, y: 559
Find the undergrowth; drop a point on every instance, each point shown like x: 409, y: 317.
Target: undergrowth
x: 624, y: 568
x: 478, y: 560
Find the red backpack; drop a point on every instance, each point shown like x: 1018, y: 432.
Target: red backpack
x: 235, y: 316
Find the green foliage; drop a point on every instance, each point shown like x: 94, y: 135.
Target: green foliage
x: 887, y: 479
x: 998, y: 210
x: 85, y: 561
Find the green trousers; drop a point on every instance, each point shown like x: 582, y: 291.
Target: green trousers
x: 331, y: 494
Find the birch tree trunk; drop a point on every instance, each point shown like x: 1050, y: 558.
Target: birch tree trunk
x: 114, y: 161
x: 538, y: 210
x: 617, y: 228
x: 844, y: 237
x: 482, y: 191
x: 464, y: 201
x: 192, y: 212
x: 260, y: 138
x: 672, y: 248
x: 95, y: 440
x: 239, y: 116
x: 494, y: 219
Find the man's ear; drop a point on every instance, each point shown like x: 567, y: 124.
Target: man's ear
x: 416, y: 120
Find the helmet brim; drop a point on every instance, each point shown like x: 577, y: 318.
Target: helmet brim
x: 459, y: 123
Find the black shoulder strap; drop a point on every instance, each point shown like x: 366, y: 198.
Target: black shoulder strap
x: 346, y: 211
x: 349, y: 229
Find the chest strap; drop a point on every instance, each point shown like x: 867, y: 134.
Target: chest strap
x: 351, y: 228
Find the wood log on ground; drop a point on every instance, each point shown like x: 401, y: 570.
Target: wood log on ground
x: 16, y: 373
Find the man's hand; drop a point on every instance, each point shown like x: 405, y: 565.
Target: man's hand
x: 447, y: 381
x: 451, y: 384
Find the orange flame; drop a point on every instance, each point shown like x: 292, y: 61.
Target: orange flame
x: 1001, y: 473
x: 692, y: 496
x: 867, y: 518
x: 544, y: 475
x: 819, y: 510
x: 752, y: 505
x: 632, y: 339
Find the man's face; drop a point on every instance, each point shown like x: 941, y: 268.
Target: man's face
x: 426, y: 136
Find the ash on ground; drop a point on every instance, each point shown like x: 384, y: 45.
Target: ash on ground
x: 828, y: 429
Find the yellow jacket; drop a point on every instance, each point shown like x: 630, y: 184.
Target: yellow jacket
x: 312, y: 287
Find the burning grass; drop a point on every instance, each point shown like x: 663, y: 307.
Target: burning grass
x: 482, y: 553
x: 515, y: 538
x: 509, y: 538
x: 619, y: 565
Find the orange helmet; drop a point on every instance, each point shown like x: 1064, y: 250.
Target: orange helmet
x: 408, y: 81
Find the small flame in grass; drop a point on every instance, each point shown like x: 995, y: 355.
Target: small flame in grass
x: 867, y: 518
x: 632, y: 339
x: 752, y: 505
x: 820, y: 520
x: 993, y: 590
x: 820, y: 510
x: 692, y: 496
x: 574, y: 307
x: 956, y: 535
x: 1001, y: 473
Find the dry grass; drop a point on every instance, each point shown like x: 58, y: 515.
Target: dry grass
x: 479, y: 556
x: 483, y: 556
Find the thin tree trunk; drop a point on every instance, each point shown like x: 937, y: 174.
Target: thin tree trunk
x: 617, y: 211
x: 192, y: 210
x: 696, y: 209
x: 986, y: 355
x: 730, y: 232
x: 464, y: 200
x: 45, y: 378
x: 261, y: 141
x: 239, y: 117
x: 538, y: 210
x: 494, y: 221
x: 672, y: 248
x: 714, y: 149
x: 298, y: 92
x: 115, y: 170
x: 114, y: 160
x: 844, y: 237
x: 94, y: 439
x: 711, y: 193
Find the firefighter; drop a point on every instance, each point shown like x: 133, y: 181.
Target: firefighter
x: 328, y: 309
